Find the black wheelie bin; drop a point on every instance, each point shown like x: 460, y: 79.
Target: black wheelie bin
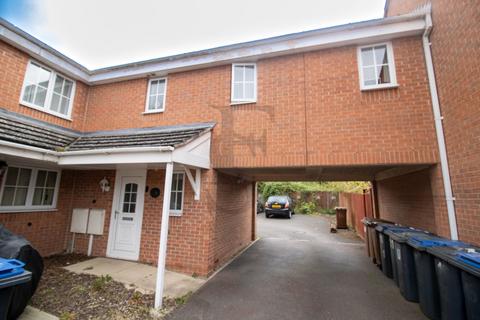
x: 458, y: 276
x: 428, y: 293
x: 12, y: 275
x: 404, y: 261
x: 387, y: 250
x: 13, y: 246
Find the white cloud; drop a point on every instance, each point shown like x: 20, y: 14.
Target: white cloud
x: 100, y: 33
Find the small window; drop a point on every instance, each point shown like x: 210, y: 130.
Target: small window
x: 376, y: 67
x: 244, y: 83
x: 157, y: 89
x: 176, y: 198
x: 130, y: 198
x: 46, y: 90
x: 29, y: 188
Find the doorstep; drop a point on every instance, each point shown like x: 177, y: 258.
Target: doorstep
x: 138, y: 276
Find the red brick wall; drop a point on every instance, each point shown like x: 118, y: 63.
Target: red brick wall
x: 189, y: 239
x: 13, y: 64
x: 309, y: 99
x: 408, y: 200
x: 456, y: 57
x: 233, y: 218
x: 393, y: 126
x: 87, y: 194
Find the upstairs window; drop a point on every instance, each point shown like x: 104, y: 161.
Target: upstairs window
x: 29, y: 189
x: 244, y: 83
x: 156, y: 94
x: 46, y: 90
x: 376, y: 66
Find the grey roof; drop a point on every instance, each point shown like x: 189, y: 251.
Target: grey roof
x: 31, y: 132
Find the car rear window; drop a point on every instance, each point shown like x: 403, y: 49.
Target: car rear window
x: 277, y: 199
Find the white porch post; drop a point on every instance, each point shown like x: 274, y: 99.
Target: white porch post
x: 162, y: 251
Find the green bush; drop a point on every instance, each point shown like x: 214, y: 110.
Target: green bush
x: 101, y: 282
x: 306, y: 208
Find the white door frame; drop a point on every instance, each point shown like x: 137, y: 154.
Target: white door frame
x: 141, y: 173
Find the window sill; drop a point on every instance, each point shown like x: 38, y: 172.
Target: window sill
x: 28, y: 210
x: 176, y: 213
x: 153, y: 112
x: 236, y: 103
x: 389, y: 86
x: 44, y: 110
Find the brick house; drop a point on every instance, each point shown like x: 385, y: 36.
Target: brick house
x: 354, y: 102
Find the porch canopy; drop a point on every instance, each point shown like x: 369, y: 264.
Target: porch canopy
x: 29, y: 140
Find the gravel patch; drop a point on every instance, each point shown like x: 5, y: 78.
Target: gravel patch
x: 72, y: 296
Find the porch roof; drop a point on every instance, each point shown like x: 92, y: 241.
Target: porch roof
x: 61, y: 145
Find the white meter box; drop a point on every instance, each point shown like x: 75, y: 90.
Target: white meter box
x: 96, y: 221
x: 79, y: 220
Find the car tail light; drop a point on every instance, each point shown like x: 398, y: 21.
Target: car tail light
x: 287, y: 205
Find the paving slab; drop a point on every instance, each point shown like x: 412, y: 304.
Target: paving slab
x: 141, y: 277
x: 32, y: 313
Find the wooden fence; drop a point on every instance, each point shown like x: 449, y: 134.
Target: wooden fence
x: 358, y: 206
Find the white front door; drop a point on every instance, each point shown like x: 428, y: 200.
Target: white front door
x: 126, y: 219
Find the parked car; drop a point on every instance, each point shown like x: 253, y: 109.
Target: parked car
x: 279, y: 206
x: 260, y: 207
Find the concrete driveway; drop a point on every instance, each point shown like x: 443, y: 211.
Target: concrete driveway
x: 298, y: 270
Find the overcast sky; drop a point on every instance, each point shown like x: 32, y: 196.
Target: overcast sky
x: 101, y: 33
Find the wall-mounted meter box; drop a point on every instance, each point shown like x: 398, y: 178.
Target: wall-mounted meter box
x: 79, y: 220
x: 96, y: 221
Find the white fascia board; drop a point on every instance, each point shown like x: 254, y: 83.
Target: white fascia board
x: 115, y: 158
x: 43, y: 55
x: 118, y: 150
x: 26, y: 152
x: 354, y: 35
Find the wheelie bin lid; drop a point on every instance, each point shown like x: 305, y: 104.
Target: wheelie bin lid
x: 12, y: 273
x: 383, y: 227
x: 423, y: 241
x: 402, y: 235
x: 10, y: 268
x: 372, y: 222
x: 466, y: 258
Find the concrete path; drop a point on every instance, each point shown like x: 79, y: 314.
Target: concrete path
x: 298, y: 270
x: 31, y: 313
x: 140, y: 276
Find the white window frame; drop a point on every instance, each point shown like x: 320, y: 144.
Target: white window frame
x: 31, y: 189
x: 391, y: 68
x: 147, y: 111
x: 48, y: 98
x: 178, y: 213
x: 244, y: 101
